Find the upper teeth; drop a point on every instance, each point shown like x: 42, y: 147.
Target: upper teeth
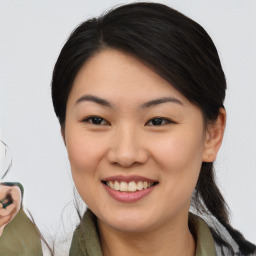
x: 131, y: 186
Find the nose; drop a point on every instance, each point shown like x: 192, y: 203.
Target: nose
x: 127, y: 148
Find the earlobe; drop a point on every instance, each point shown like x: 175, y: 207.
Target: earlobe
x: 214, y: 137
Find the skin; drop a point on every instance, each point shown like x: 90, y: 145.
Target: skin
x: 127, y: 142
x: 7, y: 214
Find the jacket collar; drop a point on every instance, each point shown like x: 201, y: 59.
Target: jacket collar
x: 86, y: 239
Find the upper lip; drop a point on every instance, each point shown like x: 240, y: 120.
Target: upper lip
x: 127, y: 179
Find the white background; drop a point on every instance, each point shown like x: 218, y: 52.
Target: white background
x: 31, y: 36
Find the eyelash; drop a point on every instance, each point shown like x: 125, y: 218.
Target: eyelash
x: 98, y: 118
x: 165, y: 120
x: 87, y: 120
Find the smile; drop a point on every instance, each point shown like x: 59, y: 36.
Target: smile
x: 129, y: 189
x: 131, y: 186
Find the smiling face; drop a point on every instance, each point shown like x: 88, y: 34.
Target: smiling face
x: 128, y: 129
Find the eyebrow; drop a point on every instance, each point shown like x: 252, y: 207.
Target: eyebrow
x: 160, y: 101
x: 148, y: 104
x: 95, y: 99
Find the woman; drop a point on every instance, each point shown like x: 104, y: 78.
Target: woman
x: 139, y: 96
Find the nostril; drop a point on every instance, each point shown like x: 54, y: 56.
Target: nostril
x: 127, y: 155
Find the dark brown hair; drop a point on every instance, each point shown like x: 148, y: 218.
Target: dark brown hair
x: 179, y: 50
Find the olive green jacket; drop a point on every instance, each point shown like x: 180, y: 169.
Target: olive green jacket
x: 85, y: 240
x: 20, y: 238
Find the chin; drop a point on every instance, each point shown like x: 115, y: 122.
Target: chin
x: 129, y: 220
x: 130, y: 225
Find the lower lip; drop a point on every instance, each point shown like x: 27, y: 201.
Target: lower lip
x: 128, y: 197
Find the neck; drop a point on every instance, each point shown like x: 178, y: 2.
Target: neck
x: 167, y: 240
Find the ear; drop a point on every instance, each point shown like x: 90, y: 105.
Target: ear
x: 214, y: 136
x: 62, y: 130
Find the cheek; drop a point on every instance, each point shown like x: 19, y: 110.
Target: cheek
x: 180, y: 158
x: 83, y: 151
x: 84, y: 155
x: 179, y: 151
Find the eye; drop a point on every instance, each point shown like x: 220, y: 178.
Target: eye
x: 96, y: 120
x: 159, y: 121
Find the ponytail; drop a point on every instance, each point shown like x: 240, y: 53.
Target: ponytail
x: 208, y: 200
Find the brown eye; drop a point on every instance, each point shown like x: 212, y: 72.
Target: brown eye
x: 97, y: 120
x: 159, y: 121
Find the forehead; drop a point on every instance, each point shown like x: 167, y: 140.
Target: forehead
x: 119, y: 76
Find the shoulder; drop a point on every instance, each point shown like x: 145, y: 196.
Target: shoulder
x: 223, y: 241
x: 85, y: 239
x: 77, y: 247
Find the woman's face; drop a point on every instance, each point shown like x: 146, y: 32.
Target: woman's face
x: 128, y: 129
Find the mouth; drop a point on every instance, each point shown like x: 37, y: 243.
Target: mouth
x: 131, y: 186
x: 129, y: 189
